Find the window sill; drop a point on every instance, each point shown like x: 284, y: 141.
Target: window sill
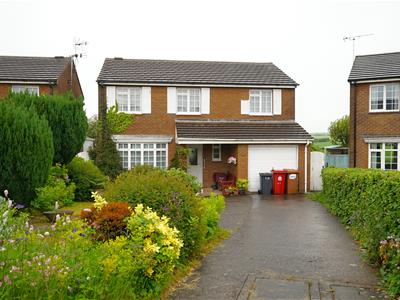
x: 383, y: 111
x: 188, y: 114
x: 260, y: 114
x: 130, y: 112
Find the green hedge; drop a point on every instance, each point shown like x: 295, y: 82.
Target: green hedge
x: 368, y: 201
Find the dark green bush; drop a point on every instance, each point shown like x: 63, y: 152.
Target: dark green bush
x: 168, y: 192
x: 66, y: 118
x: 26, y: 151
x: 57, y: 189
x: 368, y: 202
x: 86, y: 176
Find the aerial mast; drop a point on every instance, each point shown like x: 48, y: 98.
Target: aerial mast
x: 354, y: 38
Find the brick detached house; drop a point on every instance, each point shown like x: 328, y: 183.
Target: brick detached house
x: 38, y: 75
x: 374, y: 111
x: 219, y: 110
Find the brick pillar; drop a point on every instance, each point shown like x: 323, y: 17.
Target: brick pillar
x: 242, y: 161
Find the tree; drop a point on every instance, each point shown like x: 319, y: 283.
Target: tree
x: 26, y: 151
x: 339, y: 131
x: 66, y: 118
x: 104, y: 152
x: 117, y: 122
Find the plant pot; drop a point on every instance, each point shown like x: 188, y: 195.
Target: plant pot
x: 241, y: 192
x: 51, y: 215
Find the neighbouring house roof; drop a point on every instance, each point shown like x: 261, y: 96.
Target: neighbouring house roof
x: 34, y: 69
x: 118, y: 70
x: 376, y: 66
x: 239, y: 130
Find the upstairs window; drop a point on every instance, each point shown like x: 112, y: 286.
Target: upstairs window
x: 188, y: 101
x: 384, y: 97
x: 129, y: 99
x: 31, y: 89
x: 261, y: 102
x: 384, y: 156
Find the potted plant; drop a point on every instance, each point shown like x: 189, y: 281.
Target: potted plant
x: 228, y: 191
x: 242, y: 185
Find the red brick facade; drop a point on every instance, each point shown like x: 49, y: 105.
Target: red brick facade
x: 62, y: 86
x: 363, y: 122
x: 225, y: 103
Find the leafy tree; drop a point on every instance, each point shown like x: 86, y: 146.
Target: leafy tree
x: 339, y: 131
x: 66, y: 118
x: 117, y: 122
x: 179, y: 161
x: 26, y: 151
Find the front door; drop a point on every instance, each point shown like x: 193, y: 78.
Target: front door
x: 195, y: 161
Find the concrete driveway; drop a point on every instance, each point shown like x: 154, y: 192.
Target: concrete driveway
x: 282, y: 247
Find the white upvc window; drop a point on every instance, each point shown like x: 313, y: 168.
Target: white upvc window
x: 261, y: 102
x: 135, y: 154
x: 188, y: 101
x: 31, y: 89
x: 384, y: 97
x: 129, y: 100
x: 216, y: 152
x: 384, y: 156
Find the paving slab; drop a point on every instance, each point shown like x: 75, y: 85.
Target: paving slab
x: 278, y: 244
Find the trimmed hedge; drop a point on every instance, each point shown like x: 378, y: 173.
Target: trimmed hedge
x: 368, y: 201
x: 26, y: 151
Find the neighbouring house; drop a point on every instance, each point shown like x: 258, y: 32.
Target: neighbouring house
x: 374, y: 111
x: 235, y: 117
x: 38, y: 75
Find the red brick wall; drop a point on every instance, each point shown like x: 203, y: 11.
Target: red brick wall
x: 5, y: 88
x: 64, y: 82
x: 363, y: 122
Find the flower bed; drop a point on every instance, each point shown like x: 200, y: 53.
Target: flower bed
x: 368, y: 202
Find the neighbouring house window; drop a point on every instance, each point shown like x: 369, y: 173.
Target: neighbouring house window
x: 135, y: 154
x: 216, y: 152
x: 384, y: 156
x: 129, y: 99
x: 34, y: 90
x: 188, y: 101
x: 384, y: 97
x: 261, y: 102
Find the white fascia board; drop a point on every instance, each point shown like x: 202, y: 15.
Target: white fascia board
x: 388, y: 139
x: 142, y: 138
x: 240, y: 141
x: 200, y: 85
x: 375, y: 80
x: 26, y: 82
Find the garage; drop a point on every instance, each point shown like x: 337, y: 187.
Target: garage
x: 264, y: 158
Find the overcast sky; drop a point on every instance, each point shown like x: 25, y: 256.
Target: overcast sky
x: 303, y: 38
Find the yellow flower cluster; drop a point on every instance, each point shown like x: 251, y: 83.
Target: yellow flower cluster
x: 99, y: 201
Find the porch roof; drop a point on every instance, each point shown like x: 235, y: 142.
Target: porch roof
x: 239, y: 132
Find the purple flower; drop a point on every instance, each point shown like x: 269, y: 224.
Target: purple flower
x: 74, y: 230
x: 19, y: 206
x: 82, y: 234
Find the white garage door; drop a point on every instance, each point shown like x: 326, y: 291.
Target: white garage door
x: 264, y: 158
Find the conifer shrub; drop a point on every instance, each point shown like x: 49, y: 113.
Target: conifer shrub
x: 26, y: 151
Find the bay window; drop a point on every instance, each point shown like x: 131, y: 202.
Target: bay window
x: 384, y: 97
x: 135, y: 154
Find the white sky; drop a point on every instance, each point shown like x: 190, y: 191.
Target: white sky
x: 303, y: 38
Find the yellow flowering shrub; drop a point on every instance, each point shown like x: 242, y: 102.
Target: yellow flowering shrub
x: 159, y: 243
x: 99, y: 201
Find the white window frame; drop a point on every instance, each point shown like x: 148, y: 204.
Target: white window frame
x: 383, y: 154
x: 128, y: 94
x: 23, y: 88
x: 384, y: 98
x: 216, y: 147
x: 260, y: 113
x: 187, y: 112
x: 142, y: 149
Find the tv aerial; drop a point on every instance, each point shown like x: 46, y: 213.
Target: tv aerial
x: 354, y: 38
